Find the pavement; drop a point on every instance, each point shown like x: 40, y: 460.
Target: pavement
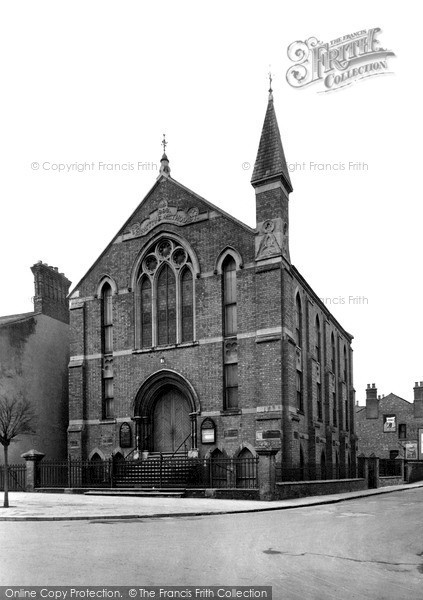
x: 69, y: 507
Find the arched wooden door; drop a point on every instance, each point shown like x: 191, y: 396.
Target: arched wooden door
x: 171, y: 422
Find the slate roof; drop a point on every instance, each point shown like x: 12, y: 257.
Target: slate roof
x: 270, y: 162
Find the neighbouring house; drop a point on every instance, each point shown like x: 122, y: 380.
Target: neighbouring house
x: 34, y: 357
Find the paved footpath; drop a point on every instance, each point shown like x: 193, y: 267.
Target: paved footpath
x: 67, y: 507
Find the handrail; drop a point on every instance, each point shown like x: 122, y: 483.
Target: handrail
x: 189, y: 435
x: 132, y: 452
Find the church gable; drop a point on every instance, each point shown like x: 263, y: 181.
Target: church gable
x: 167, y: 204
x: 170, y: 207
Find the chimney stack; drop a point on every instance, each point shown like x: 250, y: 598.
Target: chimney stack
x: 51, y: 290
x: 418, y: 400
x: 372, y: 402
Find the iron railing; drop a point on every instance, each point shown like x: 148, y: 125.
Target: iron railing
x: 156, y: 472
x: 16, y: 477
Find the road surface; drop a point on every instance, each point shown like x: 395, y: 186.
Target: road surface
x: 370, y: 548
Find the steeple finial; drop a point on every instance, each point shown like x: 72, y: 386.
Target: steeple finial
x: 270, y: 85
x: 164, y: 167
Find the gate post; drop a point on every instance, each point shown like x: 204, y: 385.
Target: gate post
x: 266, y: 472
x: 32, y: 459
x: 373, y: 472
x: 363, y: 468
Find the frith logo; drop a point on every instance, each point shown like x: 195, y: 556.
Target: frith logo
x: 339, y: 62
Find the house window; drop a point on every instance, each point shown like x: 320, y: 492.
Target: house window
x: 166, y: 296
x: 402, y: 431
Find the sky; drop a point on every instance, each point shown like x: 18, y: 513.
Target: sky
x: 98, y: 83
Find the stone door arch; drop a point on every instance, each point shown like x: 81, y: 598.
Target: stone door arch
x: 165, y: 413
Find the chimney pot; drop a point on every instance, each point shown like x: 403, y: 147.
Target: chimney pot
x: 372, y: 402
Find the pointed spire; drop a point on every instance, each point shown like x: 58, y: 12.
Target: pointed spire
x: 164, y: 167
x: 270, y: 163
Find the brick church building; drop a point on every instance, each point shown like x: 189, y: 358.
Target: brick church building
x: 194, y: 332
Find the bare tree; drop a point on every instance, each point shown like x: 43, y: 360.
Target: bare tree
x: 16, y: 417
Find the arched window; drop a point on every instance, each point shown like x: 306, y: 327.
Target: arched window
x: 107, y: 319
x: 298, y: 321
x: 334, y: 409
x: 187, y: 302
x: 230, y: 329
x: 107, y: 348
x: 332, y: 353
x: 298, y: 340
x: 345, y: 365
x: 166, y: 296
x: 318, y: 341
x: 346, y: 404
x: 166, y: 306
x: 146, y: 313
x: 229, y: 296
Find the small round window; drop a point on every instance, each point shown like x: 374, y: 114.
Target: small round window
x: 164, y: 249
x: 179, y: 257
x: 151, y: 263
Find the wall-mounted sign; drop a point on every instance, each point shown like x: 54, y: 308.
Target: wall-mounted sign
x: 411, y: 450
x: 420, y: 444
x: 208, y: 431
x: 125, y: 436
x: 389, y: 423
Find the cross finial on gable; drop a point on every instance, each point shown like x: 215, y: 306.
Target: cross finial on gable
x: 164, y: 142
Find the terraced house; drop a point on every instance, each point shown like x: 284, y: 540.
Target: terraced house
x: 194, y: 333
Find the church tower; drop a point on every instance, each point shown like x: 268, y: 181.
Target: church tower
x: 272, y: 185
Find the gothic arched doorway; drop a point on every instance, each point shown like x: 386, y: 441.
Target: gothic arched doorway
x: 166, y: 409
x: 171, y: 422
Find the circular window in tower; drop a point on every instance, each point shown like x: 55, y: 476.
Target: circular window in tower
x: 150, y: 263
x: 164, y: 249
x: 179, y: 257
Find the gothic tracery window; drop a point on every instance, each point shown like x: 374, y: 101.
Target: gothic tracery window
x: 166, y: 296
